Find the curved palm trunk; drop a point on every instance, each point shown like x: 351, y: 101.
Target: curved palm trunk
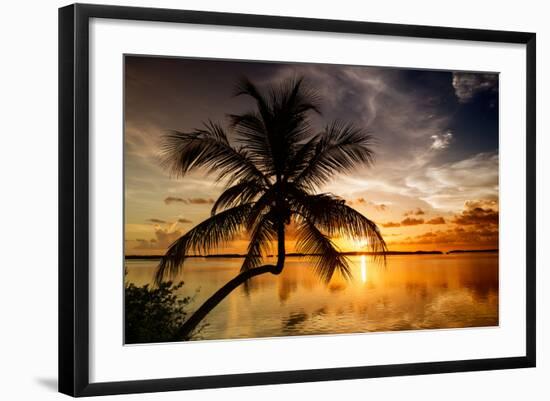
x: 191, y: 324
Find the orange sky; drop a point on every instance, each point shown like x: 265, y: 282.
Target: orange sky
x: 473, y: 227
x: 434, y: 185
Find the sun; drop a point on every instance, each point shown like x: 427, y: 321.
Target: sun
x: 359, y: 244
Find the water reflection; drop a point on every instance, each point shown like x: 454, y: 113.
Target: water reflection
x: 411, y: 292
x: 363, y: 261
x: 295, y: 319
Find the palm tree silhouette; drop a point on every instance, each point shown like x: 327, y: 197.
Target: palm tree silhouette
x: 272, y: 168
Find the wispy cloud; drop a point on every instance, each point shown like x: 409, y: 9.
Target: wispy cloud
x: 174, y: 199
x: 446, y: 185
x: 157, y: 221
x: 188, y: 201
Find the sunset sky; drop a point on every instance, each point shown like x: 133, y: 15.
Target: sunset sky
x: 434, y: 185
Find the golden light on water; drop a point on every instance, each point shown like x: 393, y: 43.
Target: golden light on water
x: 363, y: 265
x: 414, y: 292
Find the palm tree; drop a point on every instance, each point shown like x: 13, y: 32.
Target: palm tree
x: 272, y: 168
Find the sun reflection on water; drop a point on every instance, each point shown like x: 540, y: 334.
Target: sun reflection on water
x: 411, y: 293
x: 363, y: 265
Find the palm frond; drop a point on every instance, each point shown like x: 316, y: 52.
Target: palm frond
x: 294, y: 96
x: 246, y: 88
x: 253, y: 128
x: 292, y: 101
x: 301, y: 157
x: 261, y: 238
x: 211, y: 233
x: 272, y: 133
x: 334, y: 217
x: 262, y: 206
x: 341, y: 149
x: 252, y: 133
x: 242, y: 192
x: 312, y: 241
x: 207, y: 148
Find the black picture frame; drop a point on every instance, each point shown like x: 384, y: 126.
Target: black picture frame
x: 74, y: 198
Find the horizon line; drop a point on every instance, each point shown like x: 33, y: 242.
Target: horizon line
x: 350, y: 253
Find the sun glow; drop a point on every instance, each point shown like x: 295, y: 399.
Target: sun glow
x: 363, y: 266
x: 359, y: 244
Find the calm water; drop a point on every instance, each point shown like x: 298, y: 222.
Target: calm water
x: 411, y: 292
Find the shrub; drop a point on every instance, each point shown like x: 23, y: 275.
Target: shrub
x: 153, y: 314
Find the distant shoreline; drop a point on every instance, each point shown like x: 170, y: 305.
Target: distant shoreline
x: 389, y: 253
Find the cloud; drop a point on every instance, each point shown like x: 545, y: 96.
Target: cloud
x: 441, y: 141
x: 174, y: 199
x: 467, y: 85
x: 157, y: 221
x: 416, y: 212
x: 200, y: 201
x: 382, y: 101
x: 435, y: 185
x: 420, y: 162
x: 475, y: 214
x: 391, y: 224
x: 184, y: 221
x: 163, y: 239
x: 483, y: 203
x: 476, y: 226
x: 436, y: 220
x: 188, y: 201
x: 447, y: 185
x: 381, y: 207
x: 411, y: 221
x: 458, y: 236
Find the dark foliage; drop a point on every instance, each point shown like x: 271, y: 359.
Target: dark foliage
x: 153, y: 314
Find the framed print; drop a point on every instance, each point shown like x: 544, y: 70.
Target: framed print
x: 250, y: 199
